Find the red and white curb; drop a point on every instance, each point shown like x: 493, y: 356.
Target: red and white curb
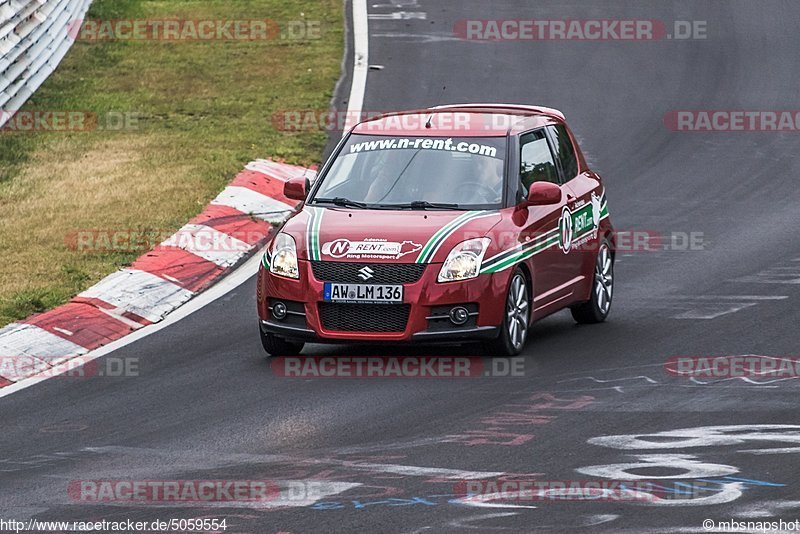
x: 239, y: 221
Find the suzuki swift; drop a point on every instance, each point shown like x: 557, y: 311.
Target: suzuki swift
x: 454, y: 224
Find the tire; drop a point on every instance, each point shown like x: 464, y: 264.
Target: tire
x: 277, y: 346
x: 597, y: 308
x: 516, y: 319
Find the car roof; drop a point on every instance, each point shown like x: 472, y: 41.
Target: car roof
x: 462, y: 120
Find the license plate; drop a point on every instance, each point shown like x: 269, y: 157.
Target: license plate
x: 372, y: 293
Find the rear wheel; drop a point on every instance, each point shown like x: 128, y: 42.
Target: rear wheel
x: 596, y: 309
x: 277, y: 346
x: 514, y: 328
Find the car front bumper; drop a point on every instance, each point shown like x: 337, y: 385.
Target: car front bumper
x: 426, y: 302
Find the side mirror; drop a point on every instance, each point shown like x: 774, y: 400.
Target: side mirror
x: 295, y: 189
x: 544, y: 194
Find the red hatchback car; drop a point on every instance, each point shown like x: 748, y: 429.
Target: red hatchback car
x: 454, y: 224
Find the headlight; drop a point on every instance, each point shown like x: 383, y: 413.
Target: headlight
x: 284, y: 257
x: 464, y: 261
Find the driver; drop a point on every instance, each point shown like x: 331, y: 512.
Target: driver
x: 491, y: 176
x: 484, y: 182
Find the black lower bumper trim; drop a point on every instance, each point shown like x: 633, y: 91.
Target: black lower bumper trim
x: 458, y: 334
x: 289, y: 332
x: 293, y: 333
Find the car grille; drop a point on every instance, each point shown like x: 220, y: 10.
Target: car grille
x: 364, y: 317
x: 382, y: 273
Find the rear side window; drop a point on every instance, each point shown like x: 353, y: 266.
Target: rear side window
x: 565, y: 152
x: 536, y: 160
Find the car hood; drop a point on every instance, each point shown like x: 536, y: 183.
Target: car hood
x: 384, y: 236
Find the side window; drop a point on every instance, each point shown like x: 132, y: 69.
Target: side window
x: 536, y: 160
x: 565, y: 152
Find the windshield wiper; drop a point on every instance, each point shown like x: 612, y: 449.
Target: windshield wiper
x: 341, y: 201
x: 422, y: 205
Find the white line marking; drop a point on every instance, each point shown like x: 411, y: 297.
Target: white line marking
x: 400, y: 15
x: 773, y: 275
x: 469, y: 522
x: 64, y: 331
x: 768, y: 508
x: 415, y: 471
x: 600, y: 381
x: 360, y: 63
x: 713, y: 306
x: 742, y: 378
x: 234, y: 458
x: 778, y: 450
x: 714, y: 312
x: 397, y: 3
x: 735, y: 297
x: 484, y: 500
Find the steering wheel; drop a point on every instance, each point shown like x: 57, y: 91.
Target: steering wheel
x: 483, y: 191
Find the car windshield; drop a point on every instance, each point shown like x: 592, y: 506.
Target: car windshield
x: 416, y: 173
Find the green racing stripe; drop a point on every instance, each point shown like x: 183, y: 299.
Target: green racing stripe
x: 509, y: 258
x: 582, y: 221
x: 432, y: 246
x: 312, y: 233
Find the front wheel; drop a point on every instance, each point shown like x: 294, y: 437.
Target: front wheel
x: 596, y: 309
x: 277, y: 346
x: 514, y: 328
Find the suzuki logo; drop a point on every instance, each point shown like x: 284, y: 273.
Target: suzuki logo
x: 365, y: 273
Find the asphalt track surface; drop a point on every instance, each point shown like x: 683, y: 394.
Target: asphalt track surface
x: 207, y: 406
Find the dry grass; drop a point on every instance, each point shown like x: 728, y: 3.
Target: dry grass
x: 67, y: 187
